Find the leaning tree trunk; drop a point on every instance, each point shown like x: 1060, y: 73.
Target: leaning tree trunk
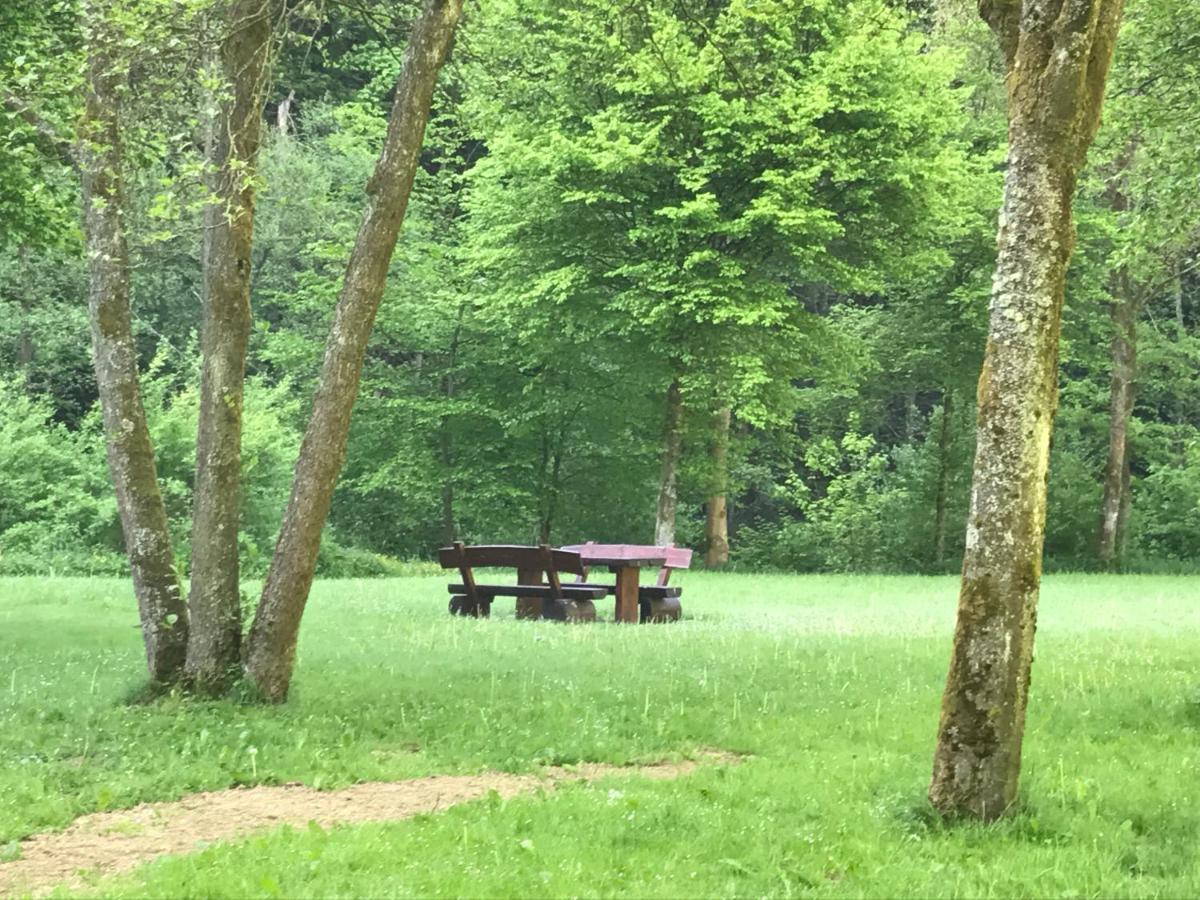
x: 270, y: 654
x: 214, y: 602
x: 717, y: 521
x: 1124, y: 371
x: 668, y: 482
x: 1058, y: 55
x: 127, y: 437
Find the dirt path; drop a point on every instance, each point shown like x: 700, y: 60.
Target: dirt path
x: 111, y: 842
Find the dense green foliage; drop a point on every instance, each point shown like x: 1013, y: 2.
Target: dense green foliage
x: 787, y: 207
x: 831, y: 683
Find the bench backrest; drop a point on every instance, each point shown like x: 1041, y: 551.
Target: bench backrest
x: 678, y: 558
x: 510, y: 556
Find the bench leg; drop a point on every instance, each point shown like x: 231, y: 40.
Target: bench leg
x: 529, y: 607
x: 569, y: 610
x: 581, y: 611
x: 463, y: 606
x: 627, y: 594
x: 667, y: 609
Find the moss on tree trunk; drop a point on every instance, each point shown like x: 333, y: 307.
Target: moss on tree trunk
x: 214, y: 602
x: 127, y: 437
x: 1058, y: 55
x: 271, y: 649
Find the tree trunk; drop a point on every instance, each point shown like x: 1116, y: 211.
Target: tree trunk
x: 551, y: 487
x: 25, y: 336
x: 1058, y: 55
x: 270, y: 654
x: 668, y: 482
x: 214, y: 602
x: 717, y: 524
x: 943, y: 479
x: 1179, y: 298
x: 1124, y: 371
x: 445, y: 439
x: 127, y: 437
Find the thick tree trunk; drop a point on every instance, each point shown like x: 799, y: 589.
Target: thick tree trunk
x: 943, y: 479
x: 717, y: 519
x: 214, y: 602
x: 668, y: 481
x: 270, y: 654
x: 1124, y: 372
x: 1058, y: 55
x: 127, y: 437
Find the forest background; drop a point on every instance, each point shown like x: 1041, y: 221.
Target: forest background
x: 716, y: 272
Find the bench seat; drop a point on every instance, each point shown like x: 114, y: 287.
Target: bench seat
x: 645, y: 591
x: 568, y: 591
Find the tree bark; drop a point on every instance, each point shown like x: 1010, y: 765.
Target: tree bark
x: 214, y: 602
x: 1124, y: 372
x: 445, y: 438
x: 717, y: 521
x: 25, y: 350
x: 1179, y: 323
x: 550, y: 487
x: 668, y: 481
x: 943, y: 479
x: 270, y: 654
x: 1057, y: 53
x: 127, y: 436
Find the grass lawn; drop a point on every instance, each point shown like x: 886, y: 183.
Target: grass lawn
x: 831, y: 684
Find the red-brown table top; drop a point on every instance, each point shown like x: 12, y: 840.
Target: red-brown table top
x: 640, y: 555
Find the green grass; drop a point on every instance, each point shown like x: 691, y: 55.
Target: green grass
x: 832, y: 684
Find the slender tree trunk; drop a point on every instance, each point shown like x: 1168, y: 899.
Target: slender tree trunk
x: 717, y: 522
x: 25, y: 336
x: 1124, y: 372
x: 943, y: 479
x: 127, y: 437
x: 551, y: 490
x: 214, y: 602
x: 1058, y: 55
x: 668, y: 481
x: 1123, y: 515
x: 1179, y: 297
x: 445, y: 439
x: 270, y: 654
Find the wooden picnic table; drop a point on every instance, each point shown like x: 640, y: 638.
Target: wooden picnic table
x: 626, y: 562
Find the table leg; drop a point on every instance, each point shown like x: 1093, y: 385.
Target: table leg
x: 529, y: 607
x: 627, y: 594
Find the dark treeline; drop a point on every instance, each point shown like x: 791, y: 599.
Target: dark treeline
x: 703, y: 271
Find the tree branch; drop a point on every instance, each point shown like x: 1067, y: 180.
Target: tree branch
x: 48, y: 134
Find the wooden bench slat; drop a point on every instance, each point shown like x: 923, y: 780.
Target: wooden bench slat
x: 507, y: 556
x: 569, y: 591
x: 645, y: 591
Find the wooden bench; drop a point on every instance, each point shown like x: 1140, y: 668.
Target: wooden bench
x: 538, y: 570
x: 658, y: 602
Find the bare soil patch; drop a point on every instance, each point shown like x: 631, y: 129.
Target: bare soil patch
x: 111, y: 842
